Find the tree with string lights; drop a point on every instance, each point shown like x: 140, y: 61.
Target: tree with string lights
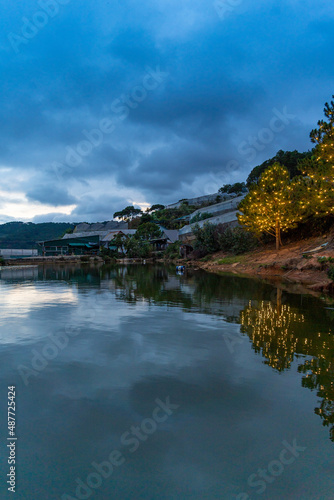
x: 271, y: 205
x: 319, y: 169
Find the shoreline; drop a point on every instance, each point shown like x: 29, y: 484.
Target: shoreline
x: 296, y: 263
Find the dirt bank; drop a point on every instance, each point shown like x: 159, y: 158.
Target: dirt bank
x: 297, y: 262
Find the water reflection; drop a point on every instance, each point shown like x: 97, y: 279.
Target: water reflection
x: 155, y: 333
x: 281, y: 334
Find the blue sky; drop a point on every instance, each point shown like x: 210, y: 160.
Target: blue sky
x: 111, y: 103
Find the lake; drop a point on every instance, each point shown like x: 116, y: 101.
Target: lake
x: 139, y: 383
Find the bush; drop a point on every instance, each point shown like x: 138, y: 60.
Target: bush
x: 84, y: 258
x: 2, y: 261
x: 330, y: 273
x: 211, y: 238
x: 237, y: 241
x: 200, y: 216
x: 206, y: 238
x: 173, y: 251
x: 136, y: 248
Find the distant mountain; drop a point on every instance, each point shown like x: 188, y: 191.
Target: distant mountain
x: 25, y: 234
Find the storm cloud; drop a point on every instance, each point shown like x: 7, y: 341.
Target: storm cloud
x: 109, y: 103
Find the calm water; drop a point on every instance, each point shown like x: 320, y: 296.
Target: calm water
x: 136, y: 383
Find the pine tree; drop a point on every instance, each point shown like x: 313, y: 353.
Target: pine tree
x: 323, y: 137
x: 272, y: 205
x: 319, y: 169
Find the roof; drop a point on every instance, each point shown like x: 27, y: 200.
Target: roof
x: 86, y: 234
x: 126, y: 232
x: 172, y: 234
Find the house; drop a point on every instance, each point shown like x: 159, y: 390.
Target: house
x: 168, y: 237
x: 70, y: 246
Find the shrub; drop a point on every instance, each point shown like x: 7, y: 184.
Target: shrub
x: 2, y: 261
x: 330, y: 273
x: 206, y: 238
x: 173, y: 251
x: 210, y: 238
x: 84, y: 258
x: 200, y: 216
x: 237, y: 241
x: 136, y: 248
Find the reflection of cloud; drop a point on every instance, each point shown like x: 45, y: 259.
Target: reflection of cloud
x: 23, y: 299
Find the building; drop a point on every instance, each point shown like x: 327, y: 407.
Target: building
x: 221, y: 213
x: 70, y: 246
x: 168, y: 237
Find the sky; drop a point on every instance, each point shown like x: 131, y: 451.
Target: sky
x: 109, y: 103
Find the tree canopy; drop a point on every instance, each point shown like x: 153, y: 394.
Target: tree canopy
x: 290, y: 159
x: 268, y: 207
x: 127, y: 213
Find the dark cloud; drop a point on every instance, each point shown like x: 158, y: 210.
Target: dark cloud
x: 225, y: 77
x: 50, y: 194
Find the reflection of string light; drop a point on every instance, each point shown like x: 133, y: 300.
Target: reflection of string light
x: 269, y: 328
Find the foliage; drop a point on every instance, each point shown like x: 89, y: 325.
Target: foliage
x: 237, y: 241
x: 148, y: 231
x: 236, y: 188
x: 330, y: 273
x: 127, y: 213
x: 214, y: 237
x: 323, y: 136
x: 156, y: 207
x: 206, y: 238
x: 290, y: 159
x: 136, y: 248
x: 169, y: 217
x: 118, y: 241
x: 323, y: 260
x: 200, y: 216
x: 173, y: 251
x: 69, y: 231
x: 228, y: 260
x: 319, y: 169
x: 107, y: 254
x: 26, y: 234
x: 84, y: 258
x: 2, y: 261
x: 272, y: 205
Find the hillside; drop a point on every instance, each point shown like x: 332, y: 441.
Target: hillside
x: 25, y: 234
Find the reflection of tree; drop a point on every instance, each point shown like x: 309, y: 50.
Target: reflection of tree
x: 279, y: 333
x: 320, y: 377
x: 271, y: 329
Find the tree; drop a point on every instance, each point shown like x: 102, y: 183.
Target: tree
x: 127, y: 213
x: 269, y: 205
x: 236, y: 188
x: 148, y: 231
x: 290, y: 159
x: 319, y: 169
x: 137, y: 248
x: 156, y: 207
x: 323, y: 136
x: 118, y: 241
